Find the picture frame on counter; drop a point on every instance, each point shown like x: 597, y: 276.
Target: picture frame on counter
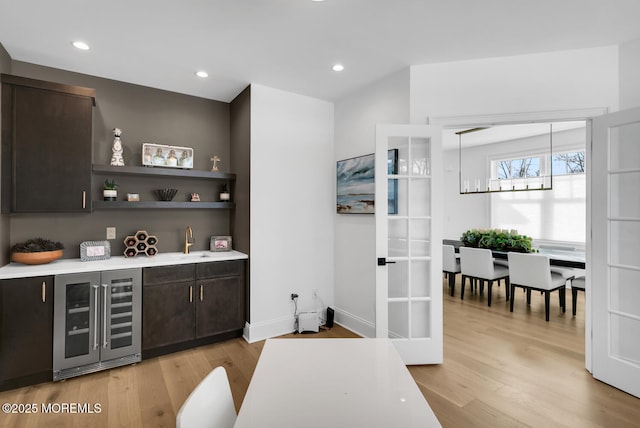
x: 220, y: 243
x: 95, y: 250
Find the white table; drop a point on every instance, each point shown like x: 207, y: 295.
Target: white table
x: 333, y: 383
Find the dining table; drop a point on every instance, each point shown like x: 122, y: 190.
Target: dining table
x: 558, y: 255
x: 333, y: 383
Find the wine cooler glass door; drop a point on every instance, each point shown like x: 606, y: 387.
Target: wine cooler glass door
x: 76, y: 320
x: 121, y: 306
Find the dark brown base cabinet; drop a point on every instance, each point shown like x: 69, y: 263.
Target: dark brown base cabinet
x: 26, y: 331
x: 191, y: 305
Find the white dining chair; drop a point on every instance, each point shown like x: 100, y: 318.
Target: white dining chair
x: 577, y: 284
x: 477, y: 264
x: 450, y: 265
x: 533, y: 272
x: 210, y: 404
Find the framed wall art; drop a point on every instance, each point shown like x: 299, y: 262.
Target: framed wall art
x: 356, y: 184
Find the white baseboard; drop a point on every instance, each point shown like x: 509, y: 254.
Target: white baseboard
x: 256, y: 332
x: 358, y: 325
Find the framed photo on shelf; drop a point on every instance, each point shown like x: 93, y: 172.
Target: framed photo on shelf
x: 220, y: 243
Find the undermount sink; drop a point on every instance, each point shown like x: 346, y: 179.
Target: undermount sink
x: 196, y: 255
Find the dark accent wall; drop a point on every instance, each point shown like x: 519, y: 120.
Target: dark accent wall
x: 241, y: 164
x: 144, y: 115
x: 5, y: 236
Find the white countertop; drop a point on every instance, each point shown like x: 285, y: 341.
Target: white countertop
x: 320, y: 383
x: 63, y: 266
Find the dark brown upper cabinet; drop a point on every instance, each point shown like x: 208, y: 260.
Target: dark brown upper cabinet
x: 46, y: 146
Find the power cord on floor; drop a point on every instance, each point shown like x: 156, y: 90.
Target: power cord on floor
x: 294, y: 297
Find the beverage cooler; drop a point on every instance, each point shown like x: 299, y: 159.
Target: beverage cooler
x: 97, y: 321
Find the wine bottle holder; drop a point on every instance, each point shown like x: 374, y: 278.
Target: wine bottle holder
x: 140, y: 243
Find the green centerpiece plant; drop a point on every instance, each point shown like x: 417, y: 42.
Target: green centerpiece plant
x: 497, y: 239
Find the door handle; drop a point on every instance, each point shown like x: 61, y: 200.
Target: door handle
x: 84, y: 199
x: 201, y: 292
x: 191, y: 294
x: 382, y: 261
x: 44, y: 292
x: 104, y: 316
x: 95, y: 317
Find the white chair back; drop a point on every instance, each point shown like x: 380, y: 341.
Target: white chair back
x: 210, y: 404
x: 532, y: 270
x: 449, y: 261
x: 476, y: 262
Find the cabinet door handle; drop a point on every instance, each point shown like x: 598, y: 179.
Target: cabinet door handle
x: 95, y: 317
x: 201, y: 292
x: 84, y: 199
x: 104, y: 316
x: 44, y: 292
x: 191, y: 294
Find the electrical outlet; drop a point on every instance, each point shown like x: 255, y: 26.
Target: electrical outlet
x: 314, y: 294
x: 111, y: 233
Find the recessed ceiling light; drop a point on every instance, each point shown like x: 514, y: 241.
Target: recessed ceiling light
x: 81, y: 45
x: 202, y: 74
x: 337, y: 67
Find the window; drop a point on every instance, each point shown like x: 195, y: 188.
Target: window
x: 569, y: 163
x: 558, y: 214
x: 517, y: 168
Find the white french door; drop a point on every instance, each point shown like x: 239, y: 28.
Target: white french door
x: 408, y: 240
x: 613, y: 287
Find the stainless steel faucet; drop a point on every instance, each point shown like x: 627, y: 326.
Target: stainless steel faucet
x: 188, y: 239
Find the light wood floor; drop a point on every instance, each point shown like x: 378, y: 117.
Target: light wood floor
x: 500, y: 370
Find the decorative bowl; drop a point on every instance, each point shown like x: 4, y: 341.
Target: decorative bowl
x: 166, y: 194
x: 36, y: 258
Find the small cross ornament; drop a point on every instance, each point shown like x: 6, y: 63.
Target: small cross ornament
x: 215, y: 161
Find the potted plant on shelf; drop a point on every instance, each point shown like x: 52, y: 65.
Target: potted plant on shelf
x: 109, y: 191
x: 36, y: 251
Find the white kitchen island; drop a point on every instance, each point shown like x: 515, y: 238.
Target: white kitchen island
x: 334, y: 383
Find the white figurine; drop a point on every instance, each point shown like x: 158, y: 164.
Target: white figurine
x: 116, y: 158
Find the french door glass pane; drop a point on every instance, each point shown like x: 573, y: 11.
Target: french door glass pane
x: 401, y: 195
x: 398, y: 279
x: 623, y: 147
x: 397, y: 242
x: 623, y: 185
x: 625, y: 245
x: 402, y: 145
x: 420, y: 273
x: 398, y: 319
x: 621, y: 346
x: 420, y: 237
x: 420, y: 201
x: 420, y: 157
x: 625, y: 291
x: 420, y: 321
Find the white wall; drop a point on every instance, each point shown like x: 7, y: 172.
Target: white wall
x: 386, y: 101
x: 292, y: 206
x: 629, y: 72
x: 568, y: 80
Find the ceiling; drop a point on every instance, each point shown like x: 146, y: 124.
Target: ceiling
x: 292, y: 44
